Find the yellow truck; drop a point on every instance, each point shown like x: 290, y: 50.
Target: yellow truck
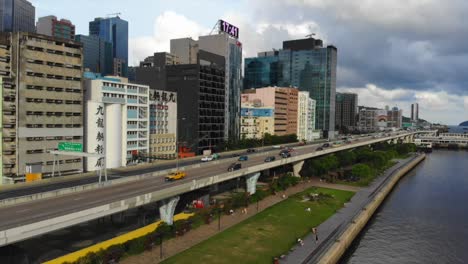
x: 174, y: 176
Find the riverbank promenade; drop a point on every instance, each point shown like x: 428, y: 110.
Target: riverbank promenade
x: 329, y: 231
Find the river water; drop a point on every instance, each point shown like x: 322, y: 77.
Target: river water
x: 424, y: 219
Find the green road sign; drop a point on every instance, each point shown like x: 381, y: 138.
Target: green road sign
x: 70, y: 146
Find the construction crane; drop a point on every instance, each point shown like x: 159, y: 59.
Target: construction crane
x: 114, y: 14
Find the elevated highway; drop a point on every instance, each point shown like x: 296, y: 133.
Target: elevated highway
x: 26, y: 220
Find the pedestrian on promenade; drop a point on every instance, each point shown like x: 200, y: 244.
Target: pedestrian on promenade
x: 314, y: 231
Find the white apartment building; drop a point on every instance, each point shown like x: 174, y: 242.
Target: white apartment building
x: 116, y: 121
x: 305, y: 116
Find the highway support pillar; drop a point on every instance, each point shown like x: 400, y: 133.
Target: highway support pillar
x: 251, y: 181
x: 167, y: 208
x: 297, y: 167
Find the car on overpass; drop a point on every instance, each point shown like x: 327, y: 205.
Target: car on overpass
x: 243, y: 158
x: 270, y: 159
x: 251, y: 150
x: 234, y: 166
x: 177, y: 175
x: 285, y: 155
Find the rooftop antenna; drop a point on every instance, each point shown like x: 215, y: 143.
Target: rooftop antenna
x: 215, y: 27
x: 310, y: 35
x: 114, y: 14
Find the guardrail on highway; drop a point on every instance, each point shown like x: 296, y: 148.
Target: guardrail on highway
x: 69, y: 190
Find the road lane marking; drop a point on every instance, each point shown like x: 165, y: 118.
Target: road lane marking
x: 24, y: 210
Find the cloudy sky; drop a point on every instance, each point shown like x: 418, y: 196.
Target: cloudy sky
x: 390, y: 52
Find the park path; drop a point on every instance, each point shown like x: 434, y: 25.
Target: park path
x: 179, y: 244
x: 311, y: 250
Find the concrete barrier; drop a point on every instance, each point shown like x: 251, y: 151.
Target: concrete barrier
x: 342, y: 243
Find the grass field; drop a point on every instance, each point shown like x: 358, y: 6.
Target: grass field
x: 267, y: 234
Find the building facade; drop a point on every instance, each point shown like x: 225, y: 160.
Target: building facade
x: 17, y: 16
x: 346, y: 111
x: 201, y: 107
x: 117, y: 122
x: 163, y: 124
x: 415, y: 112
x: 231, y: 49
x: 283, y: 100
x: 42, y: 102
x: 152, y: 70
x: 305, y: 64
x: 256, y: 121
x: 115, y: 31
x: 50, y: 26
x: 372, y: 119
x: 305, y: 117
x: 262, y: 71
x: 97, y: 54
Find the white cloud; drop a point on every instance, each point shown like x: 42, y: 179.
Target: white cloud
x: 169, y: 25
x: 435, y: 106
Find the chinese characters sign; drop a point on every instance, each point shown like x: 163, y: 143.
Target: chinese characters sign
x: 162, y: 96
x: 99, y: 116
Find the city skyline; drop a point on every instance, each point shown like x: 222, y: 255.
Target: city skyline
x: 392, y: 60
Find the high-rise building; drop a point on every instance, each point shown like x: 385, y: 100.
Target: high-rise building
x: 283, y: 100
x: 346, y: 111
x: 117, y: 121
x: 50, y: 26
x: 186, y: 49
x: 42, y: 102
x: 97, y: 54
x: 262, y: 71
x: 201, y: 106
x: 414, y: 112
x: 231, y: 49
x: 395, y: 118
x: 17, y: 16
x: 305, y: 117
x: 115, y: 31
x: 163, y: 124
x: 374, y: 119
x: 152, y: 70
x: 305, y: 64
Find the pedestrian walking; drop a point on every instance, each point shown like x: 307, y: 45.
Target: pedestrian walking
x: 314, y: 231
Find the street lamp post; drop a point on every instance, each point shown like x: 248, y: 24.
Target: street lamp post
x: 177, y: 142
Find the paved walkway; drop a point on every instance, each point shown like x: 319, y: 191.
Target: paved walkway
x: 179, y: 244
x: 311, y: 251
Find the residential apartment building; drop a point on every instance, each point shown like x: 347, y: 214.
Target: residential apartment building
x: 305, y: 117
x: 17, y: 16
x: 42, y: 102
x: 346, y: 111
x: 163, y: 124
x: 113, y: 30
x: 97, y: 54
x: 231, y: 49
x: 302, y: 63
x: 283, y: 100
x: 51, y: 26
x: 117, y: 121
x: 373, y: 119
x: 256, y: 121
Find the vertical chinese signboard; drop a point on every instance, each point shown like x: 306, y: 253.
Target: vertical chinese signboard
x: 95, y: 134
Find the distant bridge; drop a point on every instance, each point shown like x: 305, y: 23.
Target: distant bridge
x: 442, y: 140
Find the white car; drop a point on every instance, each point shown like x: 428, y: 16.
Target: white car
x: 207, y: 158
x: 277, y: 147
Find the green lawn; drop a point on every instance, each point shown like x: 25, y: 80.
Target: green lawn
x: 267, y: 234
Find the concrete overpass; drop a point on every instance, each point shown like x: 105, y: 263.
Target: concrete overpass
x: 26, y: 220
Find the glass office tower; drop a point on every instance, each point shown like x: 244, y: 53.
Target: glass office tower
x: 305, y: 64
x: 115, y: 31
